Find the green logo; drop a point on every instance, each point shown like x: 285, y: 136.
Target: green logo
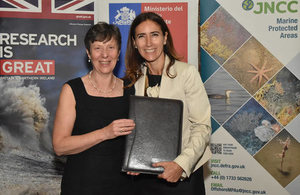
x: 247, y: 5
x: 271, y: 7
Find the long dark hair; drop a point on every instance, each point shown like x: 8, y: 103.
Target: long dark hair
x: 133, y: 59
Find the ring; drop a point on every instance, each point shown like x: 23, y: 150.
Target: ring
x: 121, y: 131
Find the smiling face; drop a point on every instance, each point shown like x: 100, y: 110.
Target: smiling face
x: 104, y: 55
x: 150, y: 41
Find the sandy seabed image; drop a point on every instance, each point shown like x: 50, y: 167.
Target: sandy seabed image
x: 281, y: 157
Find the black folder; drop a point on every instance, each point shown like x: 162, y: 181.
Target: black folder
x: 157, y: 134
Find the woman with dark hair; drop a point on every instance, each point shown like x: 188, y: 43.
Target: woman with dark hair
x: 153, y: 69
x: 90, y: 121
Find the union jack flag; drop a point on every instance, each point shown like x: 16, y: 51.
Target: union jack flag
x: 49, y: 9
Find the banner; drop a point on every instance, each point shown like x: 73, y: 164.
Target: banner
x: 250, y: 54
x: 178, y: 15
x: 41, y: 47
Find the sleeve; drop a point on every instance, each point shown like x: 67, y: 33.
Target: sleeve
x: 199, y: 112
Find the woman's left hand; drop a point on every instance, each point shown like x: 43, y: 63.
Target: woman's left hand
x: 172, y: 171
x: 133, y: 173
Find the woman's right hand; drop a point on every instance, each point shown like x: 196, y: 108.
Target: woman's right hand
x: 119, y: 127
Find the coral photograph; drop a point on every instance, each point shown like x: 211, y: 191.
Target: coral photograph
x: 281, y: 96
x: 252, y: 126
x: 221, y: 35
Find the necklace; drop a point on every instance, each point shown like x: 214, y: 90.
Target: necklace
x: 99, y: 90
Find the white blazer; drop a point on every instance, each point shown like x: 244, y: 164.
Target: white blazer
x: 188, y: 87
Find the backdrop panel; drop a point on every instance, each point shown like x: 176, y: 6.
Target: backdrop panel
x: 250, y: 65
x: 179, y: 16
x: 41, y: 47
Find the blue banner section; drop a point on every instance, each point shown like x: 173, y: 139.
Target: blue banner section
x: 207, y: 7
x: 122, y: 14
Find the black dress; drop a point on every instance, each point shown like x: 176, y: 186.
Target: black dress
x: 97, y: 170
x: 144, y: 184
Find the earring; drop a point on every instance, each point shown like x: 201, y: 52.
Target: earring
x: 89, y: 60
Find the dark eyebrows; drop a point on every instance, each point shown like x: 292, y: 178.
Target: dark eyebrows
x: 153, y: 32
x: 139, y: 34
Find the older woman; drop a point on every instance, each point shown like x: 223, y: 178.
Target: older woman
x: 153, y: 69
x: 90, y: 121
